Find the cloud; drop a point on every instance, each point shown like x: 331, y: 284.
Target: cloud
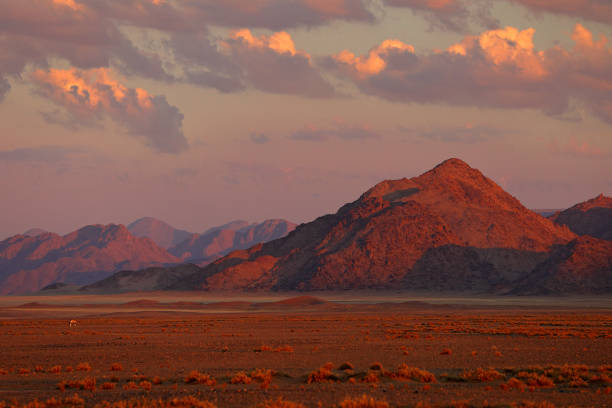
x: 5, y: 86
x: 578, y: 148
x: 339, y: 130
x: 595, y: 10
x: 452, y: 15
x: 498, y: 68
x: 92, y: 94
x: 259, y: 138
x: 466, y: 134
x: 52, y: 154
x: 273, y: 64
x: 280, y: 14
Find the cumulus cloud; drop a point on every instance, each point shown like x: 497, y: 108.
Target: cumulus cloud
x: 453, y: 15
x: 340, y: 130
x: 91, y: 94
x: 498, y: 68
x: 273, y: 64
x: 596, y: 10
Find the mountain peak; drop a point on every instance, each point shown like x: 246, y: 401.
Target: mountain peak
x: 599, y: 201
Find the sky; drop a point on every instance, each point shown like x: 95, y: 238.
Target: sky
x: 198, y: 112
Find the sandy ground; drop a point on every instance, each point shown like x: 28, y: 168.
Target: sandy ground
x: 550, y: 350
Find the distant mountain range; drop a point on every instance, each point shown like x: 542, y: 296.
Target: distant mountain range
x: 37, y: 259
x: 450, y: 229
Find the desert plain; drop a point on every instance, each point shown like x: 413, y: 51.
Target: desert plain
x: 288, y: 350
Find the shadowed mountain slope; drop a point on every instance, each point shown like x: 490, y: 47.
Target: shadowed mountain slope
x: 592, y: 217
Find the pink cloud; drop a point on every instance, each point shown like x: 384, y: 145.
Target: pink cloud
x: 453, y: 15
x: 498, y: 68
x: 91, y: 94
x: 578, y: 148
x: 273, y: 64
x: 596, y: 10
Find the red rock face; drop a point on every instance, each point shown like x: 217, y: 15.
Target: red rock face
x: 452, y: 215
x: 88, y: 254
x: 592, y: 217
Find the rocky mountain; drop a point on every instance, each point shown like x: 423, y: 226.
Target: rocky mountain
x: 451, y: 228
x: 583, y: 266
x: 28, y: 263
x: 219, y: 241
x: 592, y: 217
x: 163, y: 234
x: 32, y: 232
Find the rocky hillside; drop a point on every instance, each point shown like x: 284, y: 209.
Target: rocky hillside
x: 163, y: 234
x: 219, y: 241
x: 592, y: 217
x: 28, y: 263
x: 451, y: 228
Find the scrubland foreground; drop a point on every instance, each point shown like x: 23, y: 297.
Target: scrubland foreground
x: 427, y: 358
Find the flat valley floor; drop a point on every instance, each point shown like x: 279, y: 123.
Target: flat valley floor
x: 303, y: 350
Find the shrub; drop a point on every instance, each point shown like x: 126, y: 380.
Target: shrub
x: 116, y: 367
x: 482, y: 375
x: 513, y: 383
x: 56, y: 369
x: 145, y: 385
x: 83, y: 367
x: 446, y: 352
x: 405, y: 372
x: 241, y: 378
x: 376, y: 366
x: 323, y: 374
x: 346, y: 366
x: 108, y: 386
x: 196, y: 377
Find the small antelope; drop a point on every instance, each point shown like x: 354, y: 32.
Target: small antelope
x: 72, y: 323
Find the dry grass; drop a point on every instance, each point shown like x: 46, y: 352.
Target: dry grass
x: 363, y: 402
x: 482, y: 375
x: 280, y: 403
x: 182, y: 402
x: 405, y: 372
x: 196, y: 377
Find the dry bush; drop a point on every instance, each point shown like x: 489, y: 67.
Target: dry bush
x: 3, y: 371
x: 263, y: 347
x: 88, y: 383
x: 280, y: 403
x: 196, y: 377
x: 346, y: 366
x: 262, y: 375
x: 513, y: 383
x: 482, y: 375
x: 131, y: 385
x: 376, y: 366
x: 322, y: 374
x: 68, y: 369
x: 39, y: 369
x: 285, y: 348
x: 116, y: 367
x: 23, y: 371
x: 363, y: 402
x: 83, y: 367
x: 446, y: 352
x: 56, y: 369
x: 535, y: 379
x: 108, y: 386
x: 145, y: 385
x: 156, y: 380
x: 241, y: 378
x: 405, y: 372
x: 370, y: 378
